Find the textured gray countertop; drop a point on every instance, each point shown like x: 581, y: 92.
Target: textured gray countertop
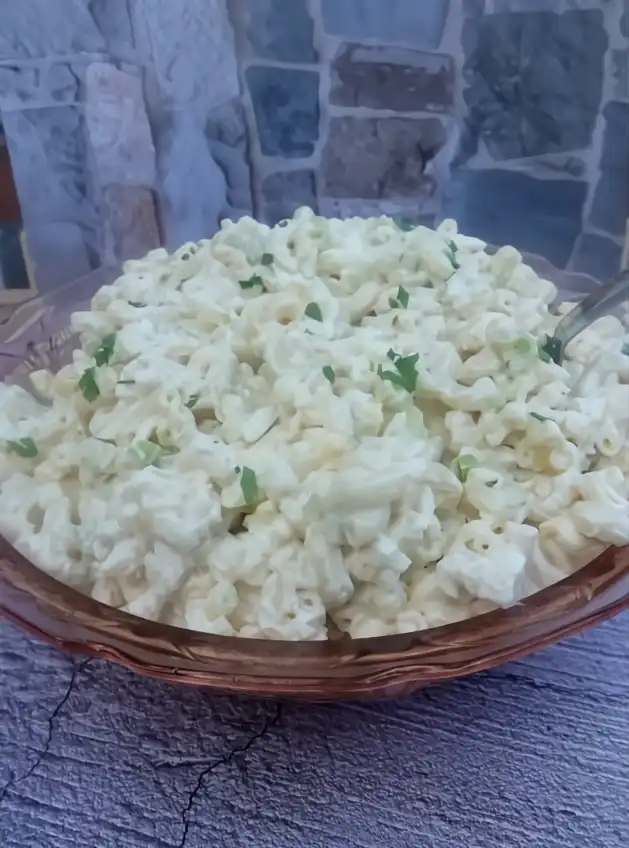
x: 535, y: 753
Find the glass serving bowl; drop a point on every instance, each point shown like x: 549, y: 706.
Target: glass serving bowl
x: 36, y: 336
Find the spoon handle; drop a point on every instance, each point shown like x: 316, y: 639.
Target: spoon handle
x: 602, y: 301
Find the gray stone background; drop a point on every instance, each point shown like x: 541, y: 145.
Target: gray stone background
x: 132, y: 122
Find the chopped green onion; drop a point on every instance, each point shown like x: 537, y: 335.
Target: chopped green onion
x: 453, y: 251
x: 405, y: 374
x: 106, y: 350
x: 525, y: 346
x: 313, y: 310
x: 26, y: 448
x: 464, y: 464
x: 192, y: 401
x: 328, y: 373
x: 89, y: 386
x: 252, y: 282
x: 267, y: 259
x: 249, y: 486
x: 148, y: 453
x: 137, y: 304
x: 539, y: 417
x: 401, y: 300
x: 126, y: 382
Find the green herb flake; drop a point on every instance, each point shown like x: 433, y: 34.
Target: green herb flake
x: 464, y: 464
x: 252, y: 282
x: 249, y: 486
x: 328, y: 373
x: 149, y: 453
x: 539, y: 417
x: 453, y: 252
x: 192, y: 401
x: 136, y: 304
x: 525, y: 346
x: 405, y: 374
x: 106, y: 350
x: 266, y: 259
x: 126, y: 382
x: 313, y: 310
x: 404, y: 224
x: 401, y: 300
x: 26, y: 448
x: 89, y: 386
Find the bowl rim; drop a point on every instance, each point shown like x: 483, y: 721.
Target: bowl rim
x: 576, y: 591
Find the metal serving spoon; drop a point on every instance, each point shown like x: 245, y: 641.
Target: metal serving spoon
x: 605, y: 300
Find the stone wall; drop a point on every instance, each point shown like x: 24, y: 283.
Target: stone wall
x: 124, y: 124
x: 137, y: 122
x: 510, y: 115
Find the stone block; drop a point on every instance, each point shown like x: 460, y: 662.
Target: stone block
x: 474, y: 7
x: 58, y: 253
x: 421, y: 210
x: 419, y: 24
x: 226, y: 131
x: 33, y: 29
x: 49, y: 162
x: 597, y: 256
x: 286, y: 106
x: 129, y: 223
x: 620, y: 72
x: 192, y: 187
x: 190, y: 46
x: 610, y: 208
x: 280, y: 29
x: 535, y: 80
x: 285, y: 192
x: 114, y: 22
x: 509, y: 207
x: 46, y: 86
x: 379, y: 157
x: 392, y: 78
x: 118, y: 128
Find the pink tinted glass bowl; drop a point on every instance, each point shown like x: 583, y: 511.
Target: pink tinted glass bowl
x: 36, y: 336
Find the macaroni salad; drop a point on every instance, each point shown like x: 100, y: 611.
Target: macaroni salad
x: 325, y: 423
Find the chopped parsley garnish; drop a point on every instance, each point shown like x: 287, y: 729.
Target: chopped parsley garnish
x: 252, y: 282
x: 464, y: 465
x: 453, y: 251
x: 148, y: 453
x: 313, y: 310
x: 249, y: 486
x: 106, y: 350
x: 192, y: 401
x: 539, y: 417
x: 328, y: 373
x: 404, y: 224
x: 405, y: 374
x: 89, y: 386
x: 400, y: 301
x: 26, y: 448
x: 266, y: 259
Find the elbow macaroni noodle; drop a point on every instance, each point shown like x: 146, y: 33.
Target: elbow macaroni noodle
x: 326, y: 420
